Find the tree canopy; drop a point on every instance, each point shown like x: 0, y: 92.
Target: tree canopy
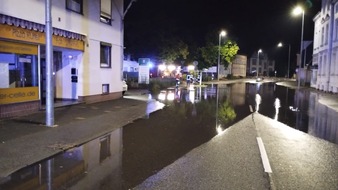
x: 166, y: 42
x: 227, y: 53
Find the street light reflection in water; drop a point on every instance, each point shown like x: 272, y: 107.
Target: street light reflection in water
x: 127, y: 156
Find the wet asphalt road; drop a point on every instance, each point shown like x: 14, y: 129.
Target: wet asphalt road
x: 231, y: 160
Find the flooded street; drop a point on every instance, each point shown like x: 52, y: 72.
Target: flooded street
x: 127, y: 156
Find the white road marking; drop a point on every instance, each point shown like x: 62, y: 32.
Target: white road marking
x: 264, y: 156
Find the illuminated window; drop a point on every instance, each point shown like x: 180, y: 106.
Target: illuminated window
x: 105, y: 15
x: 105, y: 55
x: 17, y: 68
x: 75, y: 5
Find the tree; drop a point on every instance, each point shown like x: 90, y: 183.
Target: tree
x: 209, y: 55
x: 226, y: 113
x: 173, y: 49
x: 228, y: 52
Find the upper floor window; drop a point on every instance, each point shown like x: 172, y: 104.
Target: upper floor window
x: 105, y: 55
x: 336, y: 29
x: 75, y: 5
x: 326, y: 34
x: 322, y: 39
x: 105, y: 15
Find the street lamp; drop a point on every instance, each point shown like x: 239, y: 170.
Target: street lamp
x: 297, y: 11
x: 280, y: 44
x: 223, y: 33
x: 259, y: 51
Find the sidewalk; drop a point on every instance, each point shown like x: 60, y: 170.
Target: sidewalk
x: 25, y: 140
x: 231, y: 160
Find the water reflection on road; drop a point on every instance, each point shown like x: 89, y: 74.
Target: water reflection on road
x: 192, y: 116
x: 301, y: 110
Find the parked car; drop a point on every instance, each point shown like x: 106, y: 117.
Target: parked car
x: 124, y: 87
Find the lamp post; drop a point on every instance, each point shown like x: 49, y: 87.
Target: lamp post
x: 259, y: 51
x: 299, y: 10
x: 223, y: 33
x: 280, y: 44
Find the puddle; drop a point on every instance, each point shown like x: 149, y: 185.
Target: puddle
x: 127, y: 156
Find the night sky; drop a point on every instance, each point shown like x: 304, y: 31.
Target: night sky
x: 253, y: 24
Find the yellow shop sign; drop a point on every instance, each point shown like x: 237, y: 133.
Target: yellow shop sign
x: 22, y: 34
x: 13, y: 95
x: 12, y: 47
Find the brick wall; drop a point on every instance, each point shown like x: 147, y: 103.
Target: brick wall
x: 100, y: 97
x: 19, y: 109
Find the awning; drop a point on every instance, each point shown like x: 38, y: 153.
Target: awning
x: 4, y: 19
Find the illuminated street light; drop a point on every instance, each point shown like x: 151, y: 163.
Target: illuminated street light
x: 259, y: 51
x: 280, y: 44
x: 223, y: 33
x: 297, y: 11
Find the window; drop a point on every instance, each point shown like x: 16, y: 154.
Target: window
x: 336, y: 29
x: 105, y: 88
x: 326, y: 34
x: 322, y: 41
x: 75, y: 5
x: 105, y: 55
x: 18, y: 65
x: 18, y: 70
x: 104, y: 148
x: 105, y: 15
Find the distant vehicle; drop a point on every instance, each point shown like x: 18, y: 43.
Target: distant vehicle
x: 259, y: 79
x: 124, y: 87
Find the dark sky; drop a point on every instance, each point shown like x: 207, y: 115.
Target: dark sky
x: 253, y: 24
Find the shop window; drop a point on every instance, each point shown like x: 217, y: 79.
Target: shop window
x: 75, y: 5
x: 105, y: 55
x: 18, y: 70
x: 106, y: 10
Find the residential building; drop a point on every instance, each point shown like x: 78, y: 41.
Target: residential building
x: 238, y: 66
x: 260, y: 62
x: 87, y: 53
x: 325, y: 48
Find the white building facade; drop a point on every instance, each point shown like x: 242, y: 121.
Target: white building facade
x: 87, y: 52
x: 261, y: 63
x: 325, y: 48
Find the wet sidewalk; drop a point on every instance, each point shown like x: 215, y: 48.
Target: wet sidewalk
x: 25, y: 140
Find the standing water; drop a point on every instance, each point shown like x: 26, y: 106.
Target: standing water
x: 127, y: 156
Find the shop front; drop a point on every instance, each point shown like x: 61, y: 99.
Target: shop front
x: 22, y: 66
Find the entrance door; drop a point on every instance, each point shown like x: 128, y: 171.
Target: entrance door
x: 57, y: 63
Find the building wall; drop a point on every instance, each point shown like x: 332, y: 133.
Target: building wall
x: 239, y: 65
x: 265, y: 65
x: 86, y: 61
x: 326, y: 48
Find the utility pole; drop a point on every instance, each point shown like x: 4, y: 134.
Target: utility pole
x: 49, y: 66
